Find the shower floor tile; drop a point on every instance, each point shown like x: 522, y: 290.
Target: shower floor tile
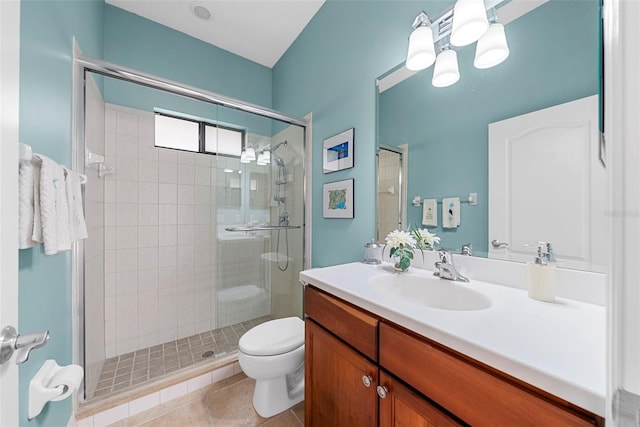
x: 127, y: 370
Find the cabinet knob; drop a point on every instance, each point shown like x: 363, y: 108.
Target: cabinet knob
x: 382, y: 391
x: 366, y: 380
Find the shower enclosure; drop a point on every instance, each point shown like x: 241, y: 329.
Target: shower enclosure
x: 189, y: 245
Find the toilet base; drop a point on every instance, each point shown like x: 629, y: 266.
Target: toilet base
x: 274, y: 395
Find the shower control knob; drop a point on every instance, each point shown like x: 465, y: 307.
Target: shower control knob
x: 366, y: 380
x: 382, y: 391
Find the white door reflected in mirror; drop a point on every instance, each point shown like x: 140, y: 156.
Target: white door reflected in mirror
x: 551, y: 157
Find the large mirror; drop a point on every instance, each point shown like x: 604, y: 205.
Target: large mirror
x: 555, y: 58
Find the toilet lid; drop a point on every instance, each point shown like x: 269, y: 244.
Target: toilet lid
x: 273, y: 337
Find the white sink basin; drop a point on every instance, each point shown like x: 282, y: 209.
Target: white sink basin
x: 430, y: 291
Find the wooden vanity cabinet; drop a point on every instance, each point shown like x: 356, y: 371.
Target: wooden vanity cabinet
x: 335, y: 394
x: 342, y: 377
x: 352, y: 356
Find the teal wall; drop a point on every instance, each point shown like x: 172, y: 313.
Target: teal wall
x: 182, y: 58
x: 46, y: 32
x: 330, y: 71
x: 141, y: 44
x: 446, y: 128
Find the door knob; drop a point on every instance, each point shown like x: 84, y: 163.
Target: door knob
x: 498, y: 244
x: 10, y: 341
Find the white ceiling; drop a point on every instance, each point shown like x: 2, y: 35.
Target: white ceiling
x: 259, y: 30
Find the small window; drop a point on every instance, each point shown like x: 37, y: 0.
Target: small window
x: 184, y: 134
x: 222, y: 140
x: 177, y: 133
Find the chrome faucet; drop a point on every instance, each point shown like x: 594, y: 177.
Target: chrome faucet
x: 467, y: 249
x: 446, y: 269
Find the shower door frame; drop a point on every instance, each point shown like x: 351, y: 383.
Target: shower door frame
x: 402, y: 152
x: 84, y: 64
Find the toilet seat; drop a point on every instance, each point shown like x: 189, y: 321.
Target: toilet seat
x: 273, y: 337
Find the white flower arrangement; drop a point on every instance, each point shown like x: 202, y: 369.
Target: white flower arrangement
x: 403, y: 244
x: 425, y: 239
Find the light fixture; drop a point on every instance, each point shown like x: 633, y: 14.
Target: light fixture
x: 227, y: 170
x: 463, y: 23
x: 260, y: 160
x: 248, y: 155
x: 445, y: 72
x: 492, y: 47
x: 243, y: 157
x: 469, y: 22
x: 267, y: 156
x: 421, y: 53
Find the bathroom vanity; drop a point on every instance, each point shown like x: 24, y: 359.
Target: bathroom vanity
x: 385, y: 356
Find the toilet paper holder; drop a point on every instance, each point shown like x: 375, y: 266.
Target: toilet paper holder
x: 51, y: 384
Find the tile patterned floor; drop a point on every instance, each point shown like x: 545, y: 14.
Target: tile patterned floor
x: 125, y: 371
x: 223, y: 404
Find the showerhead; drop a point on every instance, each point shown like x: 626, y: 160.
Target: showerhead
x: 273, y: 149
x: 277, y: 159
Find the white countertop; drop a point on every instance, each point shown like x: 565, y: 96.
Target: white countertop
x: 559, y: 347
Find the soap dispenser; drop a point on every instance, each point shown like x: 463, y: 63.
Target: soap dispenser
x: 541, y: 275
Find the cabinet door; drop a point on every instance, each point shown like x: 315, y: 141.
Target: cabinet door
x: 403, y: 407
x: 335, y: 393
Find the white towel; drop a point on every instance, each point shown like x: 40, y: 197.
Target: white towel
x: 54, y: 209
x: 450, y: 212
x: 37, y: 214
x: 430, y: 212
x: 77, y: 224
x: 25, y: 205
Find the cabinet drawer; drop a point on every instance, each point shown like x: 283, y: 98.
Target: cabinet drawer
x: 350, y: 324
x: 477, y: 395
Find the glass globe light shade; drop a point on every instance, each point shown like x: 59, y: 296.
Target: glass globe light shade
x: 492, y: 47
x: 469, y: 22
x: 251, y: 153
x: 260, y: 160
x: 445, y: 72
x: 421, y: 53
x: 243, y: 157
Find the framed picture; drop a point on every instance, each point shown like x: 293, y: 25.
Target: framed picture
x: 337, y: 152
x: 337, y: 199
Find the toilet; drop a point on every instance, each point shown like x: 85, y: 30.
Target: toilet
x: 272, y: 353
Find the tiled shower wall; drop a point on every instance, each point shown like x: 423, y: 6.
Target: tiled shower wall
x: 159, y: 234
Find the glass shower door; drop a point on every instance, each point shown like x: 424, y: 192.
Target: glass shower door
x: 259, y: 223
